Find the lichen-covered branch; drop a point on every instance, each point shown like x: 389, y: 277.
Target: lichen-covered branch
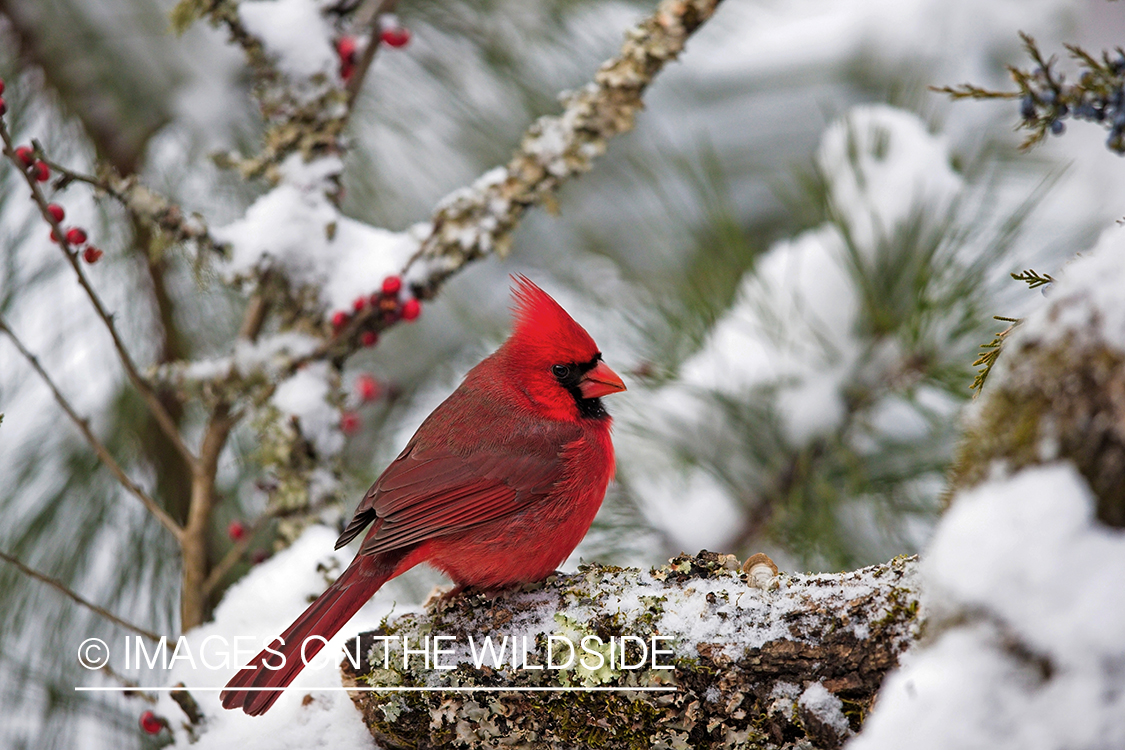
x: 479, y: 220
x: 784, y: 662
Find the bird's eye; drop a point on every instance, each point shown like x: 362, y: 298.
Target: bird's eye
x: 560, y: 371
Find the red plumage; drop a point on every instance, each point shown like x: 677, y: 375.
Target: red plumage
x: 497, y: 487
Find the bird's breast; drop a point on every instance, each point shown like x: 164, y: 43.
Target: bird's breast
x: 531, y: 543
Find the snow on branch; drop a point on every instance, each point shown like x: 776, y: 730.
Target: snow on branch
x: 729, y: 658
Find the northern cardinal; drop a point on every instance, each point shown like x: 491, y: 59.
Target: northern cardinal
x: 497, y: 486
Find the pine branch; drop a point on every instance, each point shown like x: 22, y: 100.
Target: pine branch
x: 62, y: 588
x: 99, y: 448
x: 992, y: 349
x: 1033, y: 279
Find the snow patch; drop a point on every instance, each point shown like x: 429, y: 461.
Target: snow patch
x: 295, y: 34
x: 1038, y: 663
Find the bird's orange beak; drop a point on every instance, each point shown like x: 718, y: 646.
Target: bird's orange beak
x: 600, y: 381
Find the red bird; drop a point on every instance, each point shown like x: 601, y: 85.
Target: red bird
x: 496, y: 488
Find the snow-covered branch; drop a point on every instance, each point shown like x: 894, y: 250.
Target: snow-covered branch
x: 736, y: 660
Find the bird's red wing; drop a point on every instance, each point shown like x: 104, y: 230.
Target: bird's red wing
x: 434, y: 491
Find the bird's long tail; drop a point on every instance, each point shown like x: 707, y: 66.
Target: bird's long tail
x: 256, y: 686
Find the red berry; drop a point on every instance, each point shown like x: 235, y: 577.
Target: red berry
x: 367, y: 388
x: 54, y: 236
x: 360, y: 303
x: 150, y: 723
x: 3, y: 107
x: 76, y: 236
x: 91, y: 254
x: 25, y: 155
x: 392, y: 285
x: 55, y: 210
x: 42, y: 171
x: 411, y: 309
x: 349, y: 422
x: 346, y: 48
x: 339, y: 319
x: 236, y: 530
x: 369, y: 338
x: 1, y: 85
x: 396, y: 36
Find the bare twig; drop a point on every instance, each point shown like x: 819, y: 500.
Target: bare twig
x: 148, y: 395
x: 146, y: 206
x: 99, y: 448
x: 62, y: 588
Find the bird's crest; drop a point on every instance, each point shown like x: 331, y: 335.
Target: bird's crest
x: 541, y: 322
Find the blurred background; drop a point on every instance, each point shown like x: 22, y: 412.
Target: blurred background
x: 793, y: 261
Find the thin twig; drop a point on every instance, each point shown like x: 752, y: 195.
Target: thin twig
x: 61, y: 587
x: 239, y: 548
x: 355, y: 83
x: 163, y: 418
x: 99, y: 448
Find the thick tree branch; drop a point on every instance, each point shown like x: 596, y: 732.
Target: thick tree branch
x: 748, y: 659
x: 99, y: 448
x: 62, y: 588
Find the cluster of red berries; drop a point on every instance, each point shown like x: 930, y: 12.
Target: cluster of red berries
x: 392, y: 34
x: 237, y: 532
x: 3, y: 104
x: 75, y: 236
x: 151, y: 723
x: 386, y: 302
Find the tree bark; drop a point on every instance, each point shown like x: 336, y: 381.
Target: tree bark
x: 794, y: 664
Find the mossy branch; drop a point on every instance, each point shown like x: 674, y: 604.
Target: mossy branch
x: 749, y: 650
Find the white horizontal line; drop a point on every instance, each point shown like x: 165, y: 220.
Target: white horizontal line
x: 115, y: 689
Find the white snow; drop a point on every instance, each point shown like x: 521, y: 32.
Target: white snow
x: 1086, y: 299
x: 259, y: 607
x: 296, y: 229
x: 792, y: 326
x: 1037, y: 662
x: 295, y: 34
x: 825, y: 706
x: 305, y: 396
x: 882, y: 164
